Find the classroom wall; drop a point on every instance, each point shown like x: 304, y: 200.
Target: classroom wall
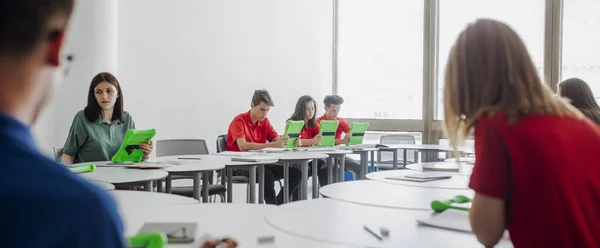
x: 188, y: 67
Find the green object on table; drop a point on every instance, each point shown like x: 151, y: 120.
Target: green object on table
x: 130, y: 150
x: 292, y: 130
x: 83, y: 168
x: 441, y: 206
x: 149, y: 240
x: 327, y: 131
x: 357, y: 133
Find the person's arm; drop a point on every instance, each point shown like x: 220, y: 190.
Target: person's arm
x: 345, y: 127
x: 75, y: 140
x: 316, y: 138
x: 100, y: 219
x: 247, y: 146
x: 490, y: 182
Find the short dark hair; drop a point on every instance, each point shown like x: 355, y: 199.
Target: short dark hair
x: 262, y: 96
x: 92, y: 110
x: 25, y: 23
x: 333, y: 99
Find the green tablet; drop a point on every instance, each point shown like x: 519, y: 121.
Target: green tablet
x: 130, y: 150
x: 357, y: 133
x: 292, y: 130
x: 327, y: 131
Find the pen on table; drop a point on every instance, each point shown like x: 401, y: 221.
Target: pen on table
x: 190, y: 158
x: 372, y: 232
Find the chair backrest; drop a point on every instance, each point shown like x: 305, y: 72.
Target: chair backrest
x: 58, y: 152
x: 397, y: 139
x: 222, y: 143
x: 174, y: 147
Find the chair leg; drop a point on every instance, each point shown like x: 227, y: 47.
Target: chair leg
x: 222, y: 195
x: 248, y: 193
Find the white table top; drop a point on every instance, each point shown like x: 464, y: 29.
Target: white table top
x: 466, y: 160
x: 117, y: 175
x: 134, y: 200
x: 464, y: 169
x: 205, y: 163
x: 342, y: 223
x: 455, y: 182
x: 103, y: 185
x: 428, y: 147
x: 290, y: 156
x: 243, y: 222
x: 369, y: 192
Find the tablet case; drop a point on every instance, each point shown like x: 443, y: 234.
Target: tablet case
x: 292, y: 130
x: 130, y: 150
x: 327, y: 131
x: 357, y: 133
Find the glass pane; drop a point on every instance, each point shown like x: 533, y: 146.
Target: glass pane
x: 525, y: 17
x: 380, y: 58
x: 581, y: 42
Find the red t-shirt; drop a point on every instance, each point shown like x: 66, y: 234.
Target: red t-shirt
x: 547, y: 169
x: 343, y: 126
x: 242, y: 127
x: 309, y: 132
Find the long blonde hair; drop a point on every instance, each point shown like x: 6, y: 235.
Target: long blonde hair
x: 490, y: 70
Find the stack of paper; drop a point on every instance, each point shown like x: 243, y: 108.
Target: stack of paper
x: 421, y: 177
x: 451, y: 219
x: 447, y: 167
x: 148, y: 165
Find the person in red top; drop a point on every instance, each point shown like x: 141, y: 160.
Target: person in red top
x: 537, y: 171
x: 333, y: 104
x: 309, y: 136
x: 251, y: 131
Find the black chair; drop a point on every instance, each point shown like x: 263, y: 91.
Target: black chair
x: 174, y: 147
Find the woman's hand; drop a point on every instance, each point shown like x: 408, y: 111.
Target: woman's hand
x: 298, y: 142
x: 317, y: 139
x: 147, y: 149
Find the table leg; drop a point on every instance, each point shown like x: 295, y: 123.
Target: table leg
x: 159, y: 185
x: 364, y: 164
x: 395, y: 158
x: 205, y: 184
x: 286, y: 182
x: 304, y: 180
x: 196, y: 184
x: 372, y: 161
x: 261, y: 184
x: 342, y: 168
x: 252, y: 182
x: 229, y: 185
x: 404, y: 158
x: 315, y: 179
x: 168, y: 184
x: 330, y: 165
x: 148, y: 186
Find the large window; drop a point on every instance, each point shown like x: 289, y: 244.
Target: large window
x: 526, y: 17
x: 581, y: 42
x: 380, y: 58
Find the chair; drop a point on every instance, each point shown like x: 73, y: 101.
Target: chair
x: 58, y: 152
x: 385, y: 158
x: 176, y: 147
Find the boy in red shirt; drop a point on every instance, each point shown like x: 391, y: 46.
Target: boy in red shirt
x: 251, y: 131
x: 333, y: 104
x: 537, y: 172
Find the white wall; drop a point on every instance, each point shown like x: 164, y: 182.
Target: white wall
x: 188, y: 67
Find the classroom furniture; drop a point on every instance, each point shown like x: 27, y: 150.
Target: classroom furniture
x: 302, y: 159
x: 364, y: 160
x: 343, y: 223
x: 58, y: 152
x: 457, y: 181
x: 378, y: 194
x: 120, y: 176
x: 127, y: 199
x: 421, y: 148
x: 464, y: 169
x: 385, y: 161
x: 103, y: 185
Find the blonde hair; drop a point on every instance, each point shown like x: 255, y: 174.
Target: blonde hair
x: 490, y: 70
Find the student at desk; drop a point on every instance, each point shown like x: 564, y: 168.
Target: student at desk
x: 537, y: 171
x: 251, y: 131
x: 98, y: 131
x: 333, y: 104
x: 309, y: 136
x: 580, y: 96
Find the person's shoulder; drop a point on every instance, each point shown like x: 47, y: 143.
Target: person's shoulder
x: 127, y: 117
x: 80, y: 116
x: 342, y: 121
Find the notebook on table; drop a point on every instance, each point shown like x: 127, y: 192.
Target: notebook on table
x: 446, y: 167
x: 421, y: 177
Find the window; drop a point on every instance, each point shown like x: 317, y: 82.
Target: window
x: 380, y: 58
x: 525, y: 17
x: 581, y: 42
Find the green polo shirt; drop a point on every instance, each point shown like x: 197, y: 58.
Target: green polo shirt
x: 97, y: 140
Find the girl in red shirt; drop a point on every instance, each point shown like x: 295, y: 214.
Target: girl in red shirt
x: 309, y: 136
x: 537, y: 171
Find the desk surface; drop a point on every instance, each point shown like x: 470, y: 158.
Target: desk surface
x: 343, y: 223
x: 103, y: 185
x: 243, y: 222
x: 455, y: 182
x: 119, y: 175
x: 140, y: 199
x: 464, y: 169
x: 428, y: 147
x: 378, y: 194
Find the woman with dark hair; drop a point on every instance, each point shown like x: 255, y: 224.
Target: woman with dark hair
x: 309, y: 136
x: 98, y: 130
x: 581, y: 97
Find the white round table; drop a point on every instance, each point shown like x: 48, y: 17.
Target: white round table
x: 455, y: 182
x: 421, y: 148
x: 127, y: 199
x: 243, y: 222
x: 198, y: 166
x: 372, y: 193
x: 466, y: 160
x: 302, y: 158
x: 343, y: 223
x: 124, y: 176
x: 103, y: 185
x: 463, y: 169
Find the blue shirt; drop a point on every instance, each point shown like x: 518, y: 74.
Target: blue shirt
x: 43, y: 204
